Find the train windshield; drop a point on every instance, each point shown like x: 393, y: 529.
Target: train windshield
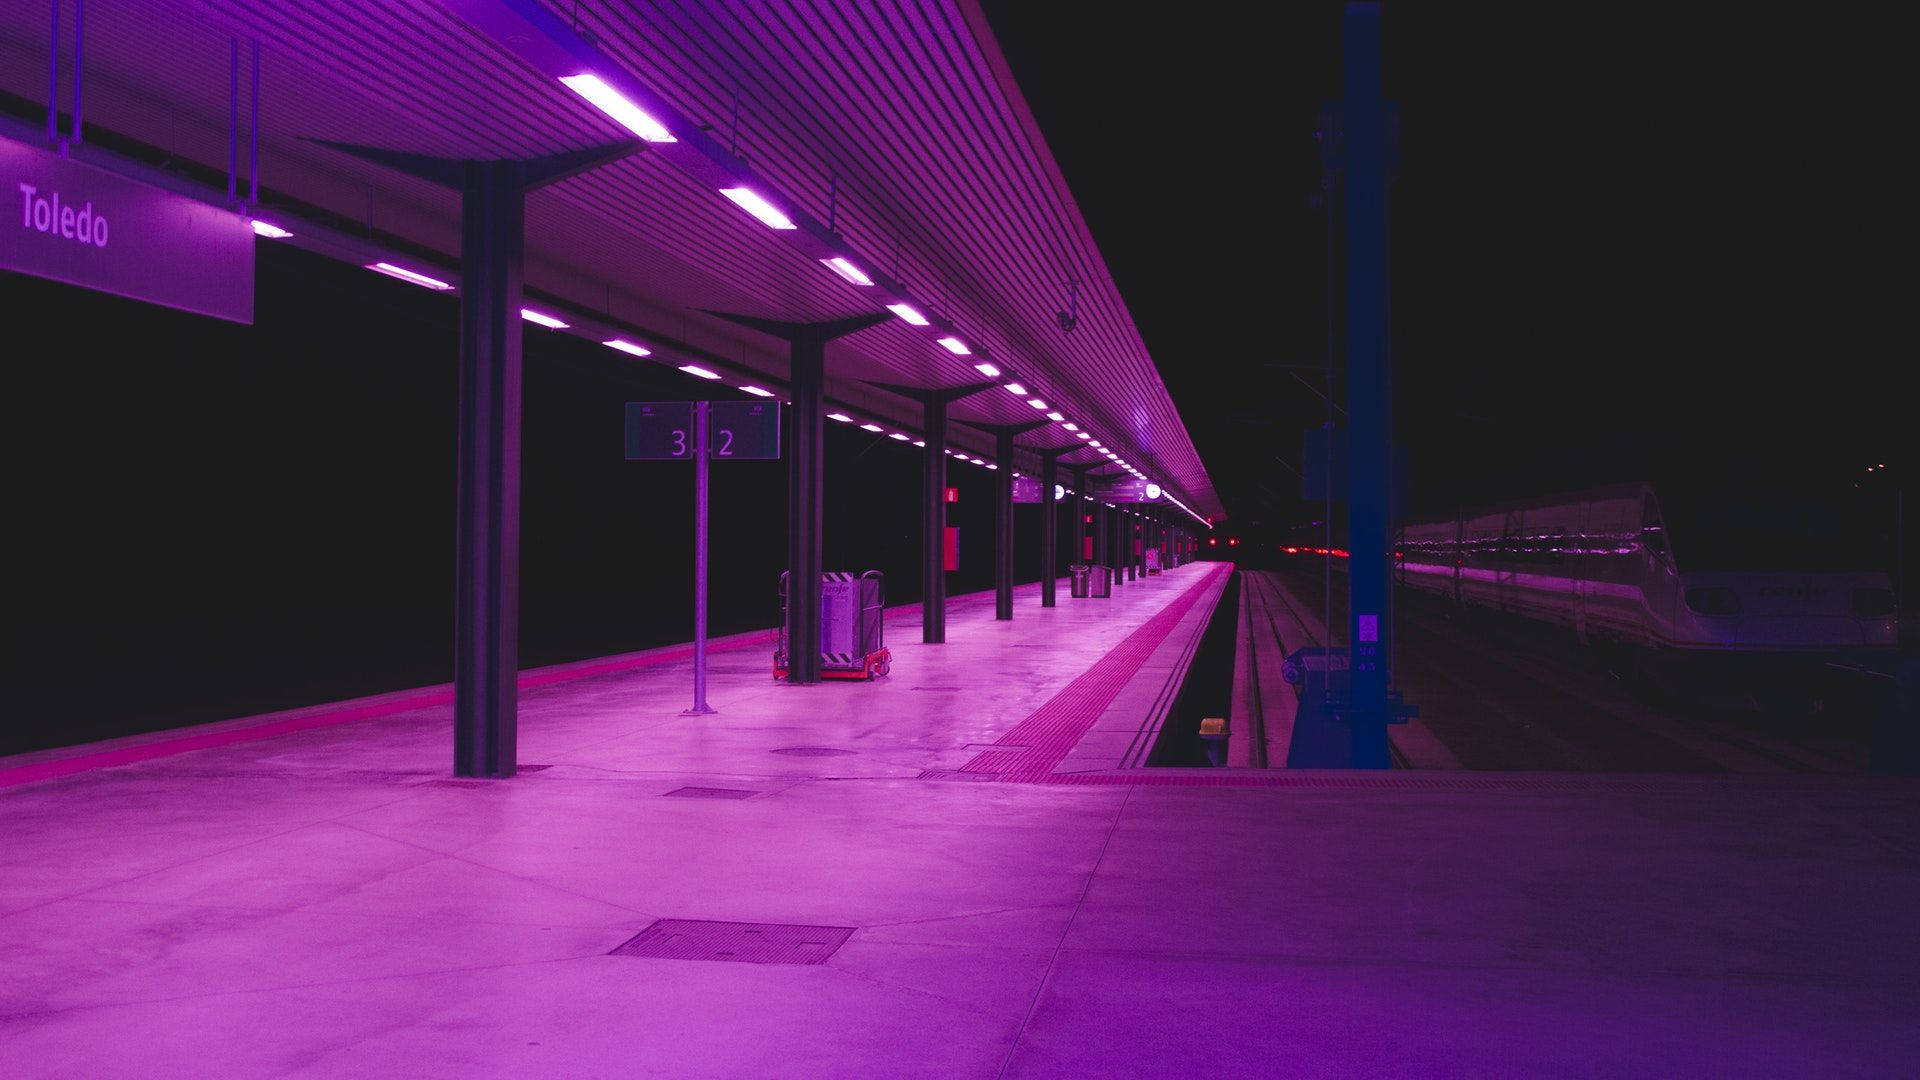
x: 1774, y: 530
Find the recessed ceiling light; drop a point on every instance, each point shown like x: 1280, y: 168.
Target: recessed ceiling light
x: 699, y: 372
x: 541, y: 318
x: 757, y: 392
x: 614, y: 104
x: 909, y: 313
x: 769, y: 215
x: 628, y: 347
x: 955, y: 346
x: 847, y: 270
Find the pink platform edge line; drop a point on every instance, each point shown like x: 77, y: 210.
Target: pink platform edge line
x: 286, y: 722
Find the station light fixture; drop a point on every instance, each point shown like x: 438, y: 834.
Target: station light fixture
x: 408, y: 276
x: 920, y: 442
x: 1071, y: 426
x: 847, y: 270
x: 541, y: 318
x: 1081, y: 435
x: 909, y: 313
x: 871, y: 427
x: 627, y: 347
x: 988, y: 370
x: 1016, y: 389
x: 768, y: 214
x: 841, y: 417
x: 896, y: 436
x: 271, y: 232
x: 757, y: 391
x: 699, y: 372
x: 991, y: 465
x: 614, y: 104
x: 1055, y: 417
x: 1036, y: 403
x: 955, y: 346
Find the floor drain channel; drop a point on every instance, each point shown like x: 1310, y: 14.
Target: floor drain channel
x: 810, y: 751
x: 956, y: 774
x: 709, y: 793
x: 738, y: 942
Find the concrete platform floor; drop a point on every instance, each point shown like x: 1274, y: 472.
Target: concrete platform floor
x: 325, y: 902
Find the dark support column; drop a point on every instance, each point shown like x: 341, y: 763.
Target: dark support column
x: 1365, y: 139
x: 1136, y: 551
x: 1049, y: 527
x: 805, y: 469
x: 1117, y: 545
x: 1003, y: 526
x: 933, y: 523
x: 1080, y: 512
x: 486, y: 600
x: 486, y: 605
x: 1102, y: 546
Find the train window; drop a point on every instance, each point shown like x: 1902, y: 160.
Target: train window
x: 1653, y: 537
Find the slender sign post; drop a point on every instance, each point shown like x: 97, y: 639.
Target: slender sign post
x: 1367, y: 391
x: 700, y: 538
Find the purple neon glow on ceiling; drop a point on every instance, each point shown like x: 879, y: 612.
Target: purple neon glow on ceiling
x: 407, y: 275
x: 699, y: 372
x: 628, y: 347
x: 955, y: 346
x: 908, y: 312
x: 846, y: 270
x: 614, y: 104
x: 769, y: 215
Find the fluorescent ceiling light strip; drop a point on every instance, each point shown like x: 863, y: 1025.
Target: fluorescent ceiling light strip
x: 614, y: 104
x: 841, y: 417
x: 955, y: 346
x: 909, y: 313
x: 1036, y: 403
x: 757, y: 391
x: 769, y: 215
x: 988, y: 370
x: 847, y: 270
x: 407, y: 275
x: 1071, y: 426
x: 699, y: 372
x: 628, y: 347
x: 871, y: 427
x: 1016, y: 389
x: 1055, y: 417
x: 919, y: 442
x: 541, y: 318
x: 896, y: 435
x: 271, y: 232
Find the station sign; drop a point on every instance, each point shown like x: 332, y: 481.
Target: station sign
x: 72, y: 222
x: 664, y: 430
x: 1125, y: 489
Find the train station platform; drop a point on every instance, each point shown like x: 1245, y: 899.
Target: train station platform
x: 932, y: 883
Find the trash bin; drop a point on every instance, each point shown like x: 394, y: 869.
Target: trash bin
x: 1095, y: 581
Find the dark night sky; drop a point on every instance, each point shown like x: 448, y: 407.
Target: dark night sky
x: 1628, y: 240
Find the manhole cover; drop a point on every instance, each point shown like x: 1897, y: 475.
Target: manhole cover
x: 811, y: 751
x: 740, y: 942
x: 956, y: 774
x: 710, y: 793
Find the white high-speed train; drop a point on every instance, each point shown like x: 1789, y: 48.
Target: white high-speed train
x: 1741, y: 577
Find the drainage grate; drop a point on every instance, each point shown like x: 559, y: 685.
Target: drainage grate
x: 956, y: 774
x: 810, y: 751
x: 996, y: 748
x: 709, y: 793
x: 740, y: 942
x: 939, y: 689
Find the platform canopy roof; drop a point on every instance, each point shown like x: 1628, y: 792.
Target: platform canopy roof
x: 889, y: 135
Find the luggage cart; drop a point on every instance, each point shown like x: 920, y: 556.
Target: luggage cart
x: 852, y: 627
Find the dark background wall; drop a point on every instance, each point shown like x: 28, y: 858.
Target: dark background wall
x: 210, y: 520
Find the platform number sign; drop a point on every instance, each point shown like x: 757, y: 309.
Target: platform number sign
x: 664, y: 430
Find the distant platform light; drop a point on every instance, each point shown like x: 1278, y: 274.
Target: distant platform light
x: 841, y: 417
x: 871, y: 427
x: 757, y: 391
x: 1055, y: 417
x: 1016, y: 389
x: 955, y: 346
x: 628, y: 347
x: 541, y: 318
x: 909, y: 313
x: 407, y: 275
x: 1071, y: 426
x: 768, y: 214
x: 271, y: 232
x: 614, y: 104
x: 990, y: 465
x: 699, y: 372
x: 1036, y: 403
x: 1153, y: 491
x: 896, y: 435
x: 988, y: 370
x: 1081, y: 435
x: 919, y: 442
x: 847, y: 270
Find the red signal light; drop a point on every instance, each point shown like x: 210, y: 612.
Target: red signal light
x: 1233, y: 541
x: 1213, y: 541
